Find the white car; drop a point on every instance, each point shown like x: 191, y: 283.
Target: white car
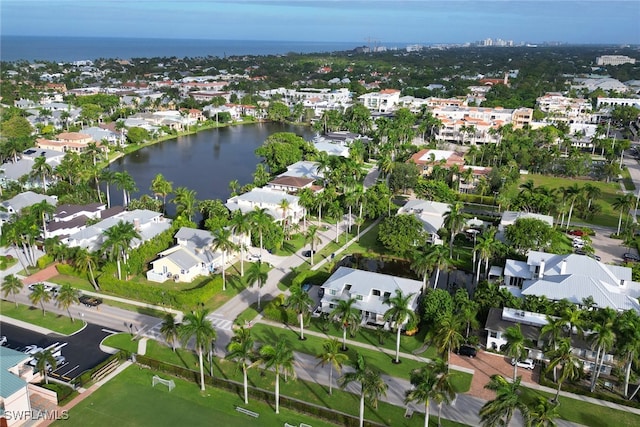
x: 526, y: 363
x: 32, y: 349
x: 3, y: 340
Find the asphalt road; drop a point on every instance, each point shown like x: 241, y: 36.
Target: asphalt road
x: 82, y: 350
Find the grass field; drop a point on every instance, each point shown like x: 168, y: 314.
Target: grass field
x: 609, y: 191
x: 33, y: 315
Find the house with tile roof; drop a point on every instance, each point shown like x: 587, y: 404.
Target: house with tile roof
x: 572, y: 277
x: 370, y: 290
x: 428, y: 158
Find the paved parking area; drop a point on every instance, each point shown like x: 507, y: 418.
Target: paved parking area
x: 609, y: 250
x: 82, y: 350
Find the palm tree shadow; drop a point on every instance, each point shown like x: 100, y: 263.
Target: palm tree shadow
x: 236, y: 282
x: 288, y: 247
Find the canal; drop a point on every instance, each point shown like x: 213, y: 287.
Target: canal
x: 205, y: 162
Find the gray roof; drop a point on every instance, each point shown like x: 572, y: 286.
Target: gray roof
x: 66, y: 210
x: 28, y: 198
x: 363, y: 283
x: 429, y: 213
x: 509, y: 217
x: 194, y: 236
x: 304, y: 169
x: 10, y: 383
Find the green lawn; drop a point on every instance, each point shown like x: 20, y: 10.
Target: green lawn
x: 607, y: 216
x: 586, y: 413
x: 55, y: 322
x: 7, y: 262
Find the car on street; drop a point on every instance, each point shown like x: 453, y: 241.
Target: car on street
x: 526, y: 363
x: 630, y: 257
x: 467, y: 350
x: 307, y: 253
x: 90, y: 301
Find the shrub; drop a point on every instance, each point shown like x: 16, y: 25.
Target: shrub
x: 276, y: 310
x: 310, y: 276
x: 44, y: 260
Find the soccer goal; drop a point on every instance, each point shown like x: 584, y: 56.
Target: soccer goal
x: 157, y: 380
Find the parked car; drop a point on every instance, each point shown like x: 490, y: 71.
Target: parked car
x: 307, y: 254
x: 320, y: 292
x: 630, y: 257
x: 580, y: 252
x: 306, y: 287
x: 32, y: 349
x: 578, y: 245
x: 467, y: 350
x: 3, y: 340
x: 576, y: 233
x: 526, y: 363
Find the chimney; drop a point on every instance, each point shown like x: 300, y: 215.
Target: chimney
x: 563, y: 266
x: 506, y: 79
x: 136, y: 224
x: 541, y: 271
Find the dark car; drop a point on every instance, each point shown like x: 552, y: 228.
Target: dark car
x: 467, y: 350
x: 629, y: 257
x: 320, y: 292
x: 90, y: 301
x: 306, y: 287
x: 307, y: 254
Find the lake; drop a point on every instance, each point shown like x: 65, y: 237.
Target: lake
x: 205, y: 162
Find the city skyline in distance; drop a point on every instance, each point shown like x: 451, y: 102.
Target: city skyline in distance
x: 383, y: 22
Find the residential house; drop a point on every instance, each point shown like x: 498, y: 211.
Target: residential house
x: 531, y: 324
x: 304, y: 169
x: 192, y: 256
x: 271, y: 200
x: 430, y: 214
x: 560, y: 108
x: 384, y: 101
x: 370, y: 291
x: 428, y: 158
x: 12, y: 171
x: 290, y: 184
x: 26, y: 199
x: 66, y: 141
x: 70, y: 219
x: 14, y: 388
x: 573, y: 277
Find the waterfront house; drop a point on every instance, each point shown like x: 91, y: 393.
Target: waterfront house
x: 430, y: 214
x: 271, y: 200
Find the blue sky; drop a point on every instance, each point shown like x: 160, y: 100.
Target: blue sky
x: 386, y: 21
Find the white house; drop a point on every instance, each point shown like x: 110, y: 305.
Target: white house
x: 14, y: 391
x: 370, y: 291
x: 573, y: 277
x: 271, y: 200
x: 384, y: 101
x: 26, y: 199
x: 192, y: 256
x: 430, y: 214
x: 510, y: 218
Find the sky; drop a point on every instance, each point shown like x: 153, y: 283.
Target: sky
x: 372, y: 21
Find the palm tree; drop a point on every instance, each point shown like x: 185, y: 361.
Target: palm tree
x: 421, y: 265
x: 108, y: 177
x: 124, y: 181
x: 439, y: 260
x: 222, y: 242
x: 42, y: 210
x: 284, y: 206
x: 118, y: 241
x: 196, y: 325
x: 84, y: 261
x: 592, y: 192
x: 39, y: 295
x: 552, y: 332
x: 67, y: 295
x: 348, y: 316
x: 574, y: 319
x: 563, y: 356
x: 571, y: 194
x: 260, y: 221
x: 602, y: 339
x: 161, y: 187
x: 429, y: 383
x: 234, y: 186
x: 515, y: 348
x: 371, y: 384
x: 41, y: 169
x: 332, y: 356
x: 280, y: 357
x: 45, y: 362
x: 454, y: 220
x: 186, y: 202
x: 312, y: 237
x: 170, y: 330
x: 12, y: 285
x: 241, y: 351
x: 628, y: 342
x: 543, y: 413
x: 500, y: 410
x: 241, y: 225
x: 622, y: 203
x: 300, y: 302
x: 399, y: 314
x: 447, y: 335
x: 256, y: 275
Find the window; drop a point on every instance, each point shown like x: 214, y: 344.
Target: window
x: 387, y: 294
x: 493, y: 334
x: 376, y: 293
x: 359, y: 297
x: 347, y: 287
x: 332, y: 292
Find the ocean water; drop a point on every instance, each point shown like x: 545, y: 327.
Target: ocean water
x: 64, y: 49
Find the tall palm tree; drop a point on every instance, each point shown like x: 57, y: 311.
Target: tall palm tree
x: 571, y: 194
x: 118, y: 241
x: 241, y: 226
x: 222, y: 242
x: 347, y: 316
x: 186, y: 202
x: 257, y: 275
x: 500, y: 410
x: 563, y: 356
x: 439, y: 260
x: 280, y: 357
x: 170, y: 329
x: 543, y: 413
x: 628, y: 342
x: 332, y: 356
x: 515, y: 347
x: 552, y: 332
x: 574, y: 319
x: 429, y: 383
x: 300, y: 302
x: 67, y: 295
x: 371, y: 384
x: 161, y: 187
x: 592, y: 192
x: 42, y: 210
x: 284, y: 206
x: 260, y: 221
x: 85, y: 261
x: 312, y: 237
x: 447, y: 335
x: 421, y: 265
x: 45, y: 362
x: 41, y: 169
x: 602, y: 339
x: 622, y: 203
x: 241, y: 351
x: 196, y: 325
x: 124, y: 181
x: 12, y: 285
x: 108, y: 177
x: 399, y: 314
x: 454, y: 220
x: 39, y: 295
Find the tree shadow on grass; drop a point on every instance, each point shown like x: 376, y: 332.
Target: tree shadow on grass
x: 236, y: 282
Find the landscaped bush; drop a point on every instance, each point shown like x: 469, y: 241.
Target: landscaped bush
x: 310, y: 276
x: 64, y: 392
x: 43, y: 261
x: 68, y: 270
x: 276, y: 310
x: 476, y: 198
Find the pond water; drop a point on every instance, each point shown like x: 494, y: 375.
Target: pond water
x: 391, y: 267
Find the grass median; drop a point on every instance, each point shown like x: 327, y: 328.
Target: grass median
x: 54, y: 322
